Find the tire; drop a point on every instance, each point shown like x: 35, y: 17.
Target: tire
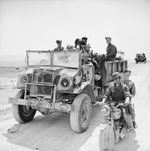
x: 81, y: 114
x: 21, y: 113
x: 106, y: 139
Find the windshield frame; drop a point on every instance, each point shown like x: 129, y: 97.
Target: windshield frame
x: 51, y: 58
x: 80, y: 60
x: 37, y: 51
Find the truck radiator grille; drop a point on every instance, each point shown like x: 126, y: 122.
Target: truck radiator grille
x: 41, y: 90
x: 41, y: 83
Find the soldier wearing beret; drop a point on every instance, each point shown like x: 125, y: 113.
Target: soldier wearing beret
x: 59, y: 46
x: 77, y: 43
x: 84, y: 40
x: 111, y: 50
x: 83, y: 43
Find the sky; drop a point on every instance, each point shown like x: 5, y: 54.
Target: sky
x: 37, y: 24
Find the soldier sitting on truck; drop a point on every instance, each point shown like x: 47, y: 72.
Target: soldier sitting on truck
x: 77, y: 43
x: 59, y: 46
x: 84, y: 41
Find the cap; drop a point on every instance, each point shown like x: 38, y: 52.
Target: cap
x: 116, y: 75
x: 85, y: 38
x: 108, y: 38
x: 58, y: 41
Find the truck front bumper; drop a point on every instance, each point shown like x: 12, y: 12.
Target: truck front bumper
x: 42, y: 104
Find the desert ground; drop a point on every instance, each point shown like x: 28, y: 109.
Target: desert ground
x: 53, y: 133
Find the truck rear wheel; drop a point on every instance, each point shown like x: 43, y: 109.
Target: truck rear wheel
x: 80, y: 116
x: 22, y: 113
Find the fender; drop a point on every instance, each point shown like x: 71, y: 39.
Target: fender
x: 86, y: 88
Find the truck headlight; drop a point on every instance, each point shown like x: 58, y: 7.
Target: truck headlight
x: 65, y: 82
x: 24, y: 79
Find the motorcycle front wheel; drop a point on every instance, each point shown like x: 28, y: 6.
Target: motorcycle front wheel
x: 107, y: 138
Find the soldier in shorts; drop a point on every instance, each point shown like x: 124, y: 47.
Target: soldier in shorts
x: 131, y: 86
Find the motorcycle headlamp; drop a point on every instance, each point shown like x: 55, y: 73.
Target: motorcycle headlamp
x: 105, y: 111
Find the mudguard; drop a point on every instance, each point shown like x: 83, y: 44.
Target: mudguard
x: 86, y: 88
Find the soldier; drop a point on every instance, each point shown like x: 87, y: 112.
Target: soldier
x: 117, y: 91
x: 131, y: 86
x: 111, y: 50
x: 59, y: 46
x: 83, y: 43
x: 77, y: 43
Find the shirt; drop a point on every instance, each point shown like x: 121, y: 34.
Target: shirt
x: 58, y: 49
x: 111, y: 52
x: 131, y: 86
x: 117, y: 94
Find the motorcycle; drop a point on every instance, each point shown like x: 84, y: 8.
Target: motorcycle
x: 117, y: 122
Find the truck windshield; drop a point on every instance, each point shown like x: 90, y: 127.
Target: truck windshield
x: 66, y: 58
x: 38, y: 58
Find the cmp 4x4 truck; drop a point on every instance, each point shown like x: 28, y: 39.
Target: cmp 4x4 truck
x: 57, y: 81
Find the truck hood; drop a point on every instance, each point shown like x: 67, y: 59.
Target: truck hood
x: 30, y: 70
x: 60, y: 71
x: 68, y: 72
x: 27, y: 71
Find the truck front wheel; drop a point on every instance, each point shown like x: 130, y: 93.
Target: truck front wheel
x: 81, y: 113
x: 22, y: 113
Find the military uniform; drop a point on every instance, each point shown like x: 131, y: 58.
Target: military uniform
x: 83, y: 44
x: 117, y: 94
x: 131, y: 87
x: 111, y: 52
x: 58, y: 49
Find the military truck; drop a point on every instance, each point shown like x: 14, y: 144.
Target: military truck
x: 140, y: 57
x: 60, y: 81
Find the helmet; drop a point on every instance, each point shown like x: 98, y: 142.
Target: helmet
x: 116, y: 75
x: 85, y: 38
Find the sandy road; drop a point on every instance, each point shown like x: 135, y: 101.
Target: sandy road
x: 53, y: 133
